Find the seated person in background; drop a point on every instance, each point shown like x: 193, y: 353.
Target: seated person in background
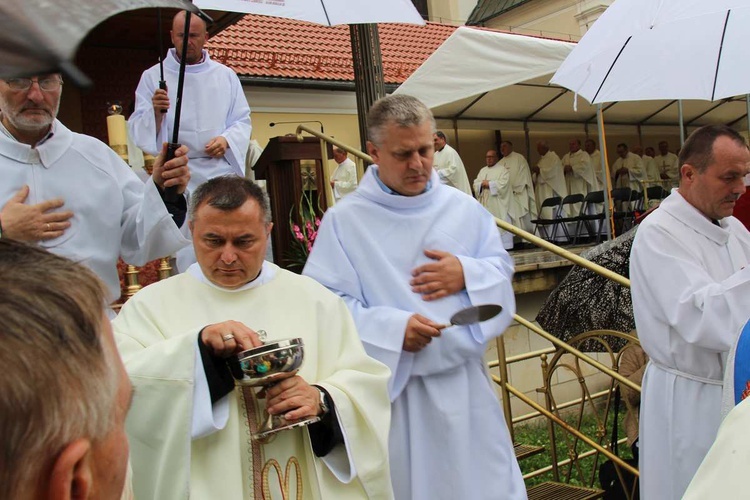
x: 64, y: 392
x: 190, y: 426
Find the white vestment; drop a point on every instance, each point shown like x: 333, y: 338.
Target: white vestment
x: 523, y: 202
x: 451, y: 169
x: 114, y: 213
x: 722, y: 474
x: 596, y: 166
x: 254, y: 151
x: 634, y: 164
x: 157, y: 333
x: 583, y: 178
x: 550, y: 182
x: 448, y: 435
x: 213, y: 104
x: 668, y: 164
x: 344, y: 179
x: 496, y: 198
x: 691, y: 296
x: 650, y: 170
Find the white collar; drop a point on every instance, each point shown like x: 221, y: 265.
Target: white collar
x: 267, y: 273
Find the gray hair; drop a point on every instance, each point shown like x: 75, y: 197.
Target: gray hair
x: 403, y: 110
x: 59, y: 382
x: 227, y: 193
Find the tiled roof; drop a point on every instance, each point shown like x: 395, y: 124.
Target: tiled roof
x: 263, y: 46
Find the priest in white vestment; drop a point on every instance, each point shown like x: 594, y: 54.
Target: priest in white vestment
x: 691, y: 295
x: 449, y: 166
x: 344, y: 178
x: 523, y: 201
x: 190, y: 426
x: 549, y: 178
x: 406, y: 252
x: 214, y: 120
x: 596, y: 162
x: 579, y: 173
x: 627, y: 169
x: 73, y: 195
x: 668, y: 165
x: 492, y: 189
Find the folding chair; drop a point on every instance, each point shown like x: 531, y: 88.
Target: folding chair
x: 624, y: 214
x: 568, y: 206
x: 591, y: 215
x: 542, y: 224
x: 655, y: 193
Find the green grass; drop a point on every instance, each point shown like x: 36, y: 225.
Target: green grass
x: 537, y: 433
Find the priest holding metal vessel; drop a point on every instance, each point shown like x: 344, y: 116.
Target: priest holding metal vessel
x: 193, y: 431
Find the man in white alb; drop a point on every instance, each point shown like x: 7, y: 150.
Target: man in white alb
x: 523, y: 201
x: 596, y: 162
x: 492, y: 189
x: 344, y: 178
x: 405, y: 252
x: 448, y: 164
x: 579, y: 174
x: 691, y: 296
x: 627, y: 169
x: 669, y: 167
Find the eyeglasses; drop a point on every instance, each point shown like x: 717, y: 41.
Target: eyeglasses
x: 47, y: 83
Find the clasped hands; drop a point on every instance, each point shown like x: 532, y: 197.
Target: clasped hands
x: 434, y: 280
x: 291, y: 396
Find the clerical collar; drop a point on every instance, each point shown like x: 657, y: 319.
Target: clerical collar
x: 267, y: 273
x: 7, y: 133
x: 391, y: 191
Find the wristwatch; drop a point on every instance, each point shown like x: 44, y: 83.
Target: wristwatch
x: 324, y: 408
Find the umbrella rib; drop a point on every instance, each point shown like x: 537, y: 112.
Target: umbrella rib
x: 323, y: 5
x: 610, y: 69
x: 718, y: 59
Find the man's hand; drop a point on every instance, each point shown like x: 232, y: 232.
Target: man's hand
x: 229, y: 337
x: 173, y: 173
x: 664, y: 176
x: 217, y: 147
x: 568, y: 169
x: 419, y: 333
x: 438, y: 279
x: 293, y: 397
x: 160, y: 101
x: 33, y: 222
x: 535, y: 170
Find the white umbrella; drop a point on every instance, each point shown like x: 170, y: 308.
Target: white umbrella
x: 662, y: 49
x: 326, y: 12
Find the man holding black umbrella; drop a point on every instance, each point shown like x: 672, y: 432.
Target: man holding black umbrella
x: 691, y: 297
x: 215, y: 123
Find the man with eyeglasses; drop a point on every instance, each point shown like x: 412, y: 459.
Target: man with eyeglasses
x: 73, y: 195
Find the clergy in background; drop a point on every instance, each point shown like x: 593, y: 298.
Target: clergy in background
x: 627, y: 169
x: 190, y: 426
x: 668, y: 165
x: 596, y: 162
x: 522, y: 202
x: 579, y: 174
x: 691, y: 296
x: 549, y: 178
x: 492, y: 188
x: 406, y: 252
x: 344, y: 178
x: 448, y: 164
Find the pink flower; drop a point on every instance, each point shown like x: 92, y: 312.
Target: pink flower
x: 317, y: 221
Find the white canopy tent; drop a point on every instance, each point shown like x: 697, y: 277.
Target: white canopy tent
x: 485, y: 79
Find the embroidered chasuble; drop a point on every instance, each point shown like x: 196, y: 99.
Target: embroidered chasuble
x: 182, y: 447
x: 549, y: 182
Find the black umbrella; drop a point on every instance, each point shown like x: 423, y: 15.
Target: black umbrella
x: 585, y: 300
x: 42, y: 36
